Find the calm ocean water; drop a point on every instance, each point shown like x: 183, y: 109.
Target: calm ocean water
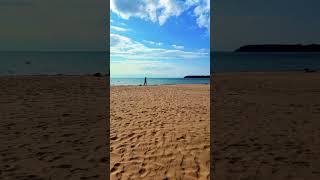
x: 26, y: 63
x: 237, y: 62
x: 158, y: 81
x: 240, y: 62
x: 31, y: 63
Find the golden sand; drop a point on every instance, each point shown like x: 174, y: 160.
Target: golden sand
x: 267, y: 126
x: 53, y: 127
x: 160, y: 132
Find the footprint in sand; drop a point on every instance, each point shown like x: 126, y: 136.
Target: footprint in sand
x: 115, y: 167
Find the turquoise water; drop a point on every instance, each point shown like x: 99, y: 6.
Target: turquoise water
x: 158, y: 81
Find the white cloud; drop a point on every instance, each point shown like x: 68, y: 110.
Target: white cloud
x: 161, y: 10
x: 149, y: 42
x: 202, y: 11
x: 192, y: 2
x: 139, y: 8
x: 121, y: 46
x: 149, y: 68
x: 177, y: 47
x: 170, y: 8
x: 153, y: 68
x: 153, y: 43
x: 116, y: 28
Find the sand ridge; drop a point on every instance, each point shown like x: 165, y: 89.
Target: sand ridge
x: 160, y: 132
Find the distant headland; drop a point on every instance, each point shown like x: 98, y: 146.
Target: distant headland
x: 280, y: 48
x: 205, y: 76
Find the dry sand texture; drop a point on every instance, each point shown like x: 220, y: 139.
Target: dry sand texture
x: 160, y: 132
x: 267, y: 126
x: 52, y: 127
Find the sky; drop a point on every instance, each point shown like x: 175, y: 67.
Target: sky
x: 52, y: 25
x: 159, y: 38
x: 242, y: 22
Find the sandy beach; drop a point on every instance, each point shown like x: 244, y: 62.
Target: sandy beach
x: 53, y: 127
x: 160, y: 132
x: 267, y: 126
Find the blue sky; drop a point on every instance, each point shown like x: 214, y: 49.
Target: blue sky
x: 159, y: 38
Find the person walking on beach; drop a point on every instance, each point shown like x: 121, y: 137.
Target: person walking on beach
x: 145, y: 81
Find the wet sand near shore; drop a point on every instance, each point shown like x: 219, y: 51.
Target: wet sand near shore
x: 53, y: 127
x: 160, y: 132
x: 267, y: 126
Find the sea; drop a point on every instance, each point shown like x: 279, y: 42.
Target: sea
x: 158, y: 81
x: 75, y: 63
x: 240, y: 62
x: 253, y: 62
x: 50, y: 63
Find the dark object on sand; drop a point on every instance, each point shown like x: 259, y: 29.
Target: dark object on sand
x: 307, y: 70
x: 197, y: 77
x: 97, y: 75
x: 145, y: 81
x: 280, y: 48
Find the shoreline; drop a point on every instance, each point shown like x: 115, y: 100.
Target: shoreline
x: 52, y: 75
x: 153, y: 85
x: 276, y: 71
x: 103, y: 75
